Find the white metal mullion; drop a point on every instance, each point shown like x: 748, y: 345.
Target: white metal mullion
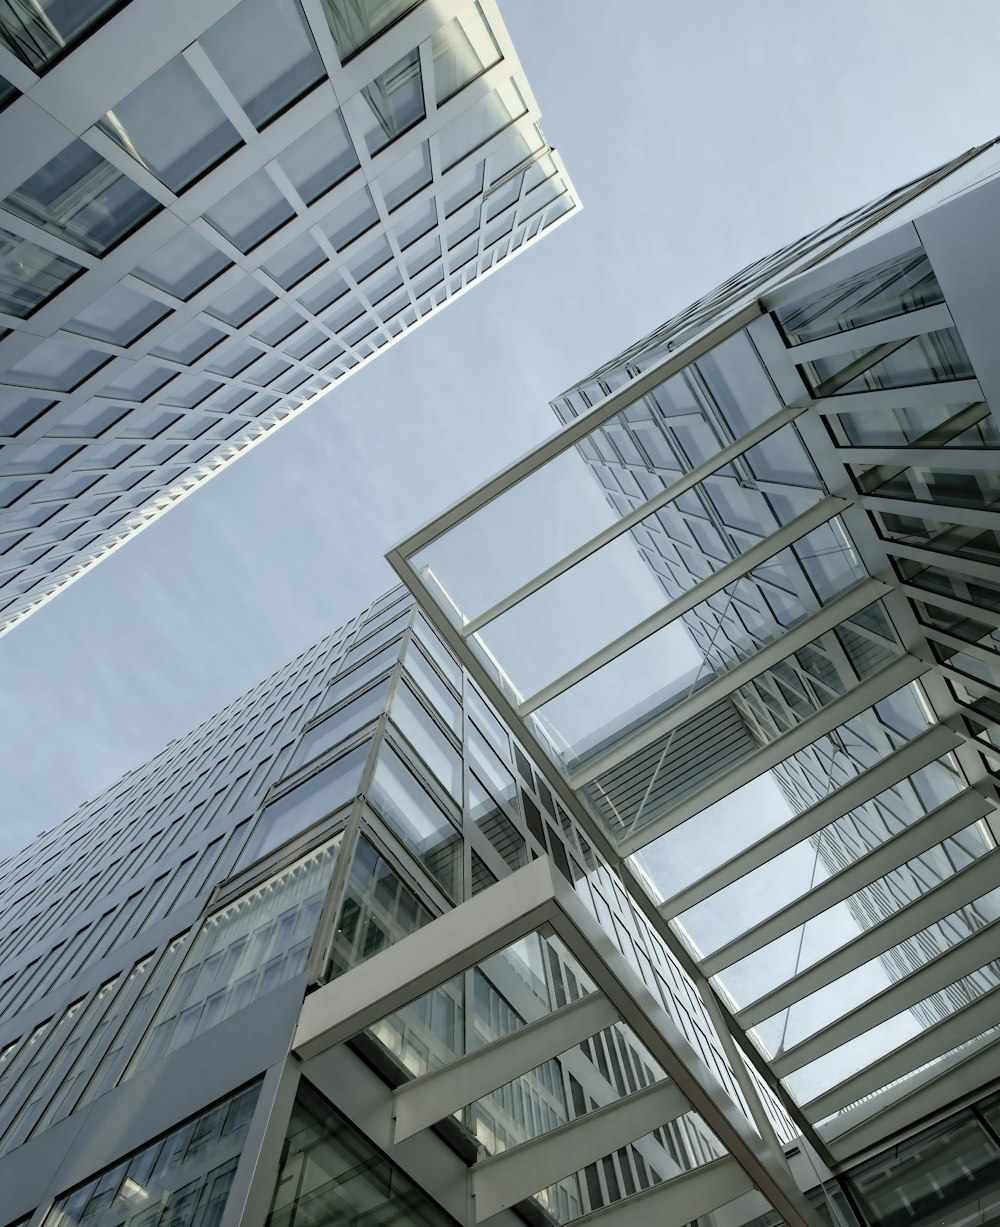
x: 896, y: 328
x: 983, y: 458
x: 810, y: 628
x: 924, y: 749
x: 715, y: 583
x: 950, y: 966
x: 936, y: 1041
x: 946, y: 820
x: 950, y: 562
x: 878, y: 686
x: 955, y: 892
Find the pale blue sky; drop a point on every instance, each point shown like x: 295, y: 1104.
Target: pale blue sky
x: 700, y: 136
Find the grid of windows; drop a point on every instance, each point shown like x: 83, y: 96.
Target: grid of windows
x: 230, y: 238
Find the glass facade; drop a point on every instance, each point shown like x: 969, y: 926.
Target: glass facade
x: 256, y: 220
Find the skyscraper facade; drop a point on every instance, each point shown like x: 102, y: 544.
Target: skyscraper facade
x: 745, y: 606
x: 210, y: 214
x: 200, y: 1024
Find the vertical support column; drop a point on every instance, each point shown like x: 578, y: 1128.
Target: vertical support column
x: 249, y: 1198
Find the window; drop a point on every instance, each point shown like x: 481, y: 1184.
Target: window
x: 265, y: 54
x: 56, y: 366
x: 251, y: 212
x: 462, y: 50
x: 390, y: 104
x: 30, y: 275
x: 172, y: 125
x: 241, y: 303
x: 241, y: 953
x: 83, y: 199
x: 43, y: 32
x: 410, y: 174
x: 354, y: 23
x: 320, y: 158
x: 483, y: 120
x: 184, y: 265
x: 119, y: 316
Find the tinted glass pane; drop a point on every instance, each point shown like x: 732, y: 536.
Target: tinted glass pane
x: 30, y: 275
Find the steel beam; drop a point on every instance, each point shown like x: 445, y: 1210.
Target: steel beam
x: 961, y: 811
x: 814, y: 518
x: 896, y: 328
x: 924, y: 749
x: 893, y: 677
x: 978, y: 878
x: 505, y: 1179
x: 426, y: 1100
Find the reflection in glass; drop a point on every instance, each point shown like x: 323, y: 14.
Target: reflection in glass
x: 390, y: 104
x: 30, y: 275
x: 182, y: 1177
x: 118, y: 316
x: 462, y: 50
x: 408, y: 807
x: 240, y: 953
x: 476, y: 125
x: 331, y: 1174
x: 83, y: 199
x: 43, y: 32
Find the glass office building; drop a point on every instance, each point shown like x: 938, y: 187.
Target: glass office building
x: 745, y: 608
x: 210, y: 214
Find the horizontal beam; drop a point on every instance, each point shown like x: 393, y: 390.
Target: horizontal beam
x: 958, y: 891
x: 574, y: 431
x: 426, y: 1100
x: 680, y: 1200
x: 958, y: 1029
x: 893, y: 677
x: 914, y: 396
x: 492, y: 921
x: 961, y: 458
x: 924, y: 749
x: 971, y: 517
x: 954, y: 964
x: 635, y: 517
x: 961, y: 811
x: 896, y: 328
x: 762, y: 552
x: 507, y: 1178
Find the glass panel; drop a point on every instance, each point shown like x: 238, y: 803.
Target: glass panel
x: 172, y: 125
x: 265, y: 54
x: 242, y: 952
x: 183, y: 265
x: 433, y: 689
x: 390, y: 104
x: 182, y: 1177
x: 30, y: 275
x: 354, y: 23
x: 56, y: 366
x: 378, y: 909
x: 46, y: 30
x: 793, y: 874
x: 950, y: 487
x: 331, y: 1174
x: 306, y: 804
x: 462, y: 50
x: 320, y: 158
x: 350, y: 219
x: 722, y: 830
x: 118, y: 316
x: 933, y: 357
x: 83, y: 199
x: 934, y: 425
x: 400, y: 799
x: 475, y: 126
x: 808, y: 944
x: 904, y: 283
x: 344, y: 722
x: 410, y: 174
x: 925, y: 1179
x: 241, y: 303
x: 249, y: 213
x: 427, y: 739
x: 189, y: 342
